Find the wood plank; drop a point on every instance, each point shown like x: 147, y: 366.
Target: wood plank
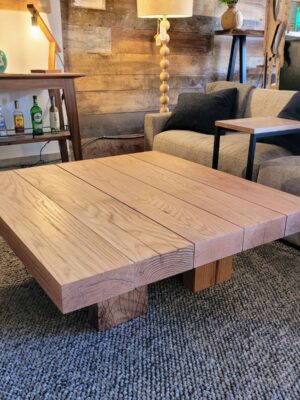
x: 95, y: 125
x: 89, y: 39
x: 111, y: 147
x: 260, y: 225
x: 94, y: 83
x: 123, y: 102
x: 156, y: 252
x: 120, y: 309
x: 245, y: 32
x: 256, y: 125
x: 82, y: 265
x: 224, y: 270
x: 214, y: 238
x: 276, y: 200
x: 207, y: 276
x: 133, y: 41
x: 23, y: 139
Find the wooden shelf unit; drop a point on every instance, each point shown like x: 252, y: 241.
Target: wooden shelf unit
x: 54, y: 83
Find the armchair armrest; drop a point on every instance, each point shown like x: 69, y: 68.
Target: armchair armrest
x: 154, y: 124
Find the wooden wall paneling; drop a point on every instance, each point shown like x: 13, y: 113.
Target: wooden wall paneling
x: 21, y: 5
x: 122, y: 61
x: 94, y: 125
x: 86, y: 39
x: 106, y: 147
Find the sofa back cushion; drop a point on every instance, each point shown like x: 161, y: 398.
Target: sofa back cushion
x: 242, y: 94
x: 198, y: 112
x: 267, y: 102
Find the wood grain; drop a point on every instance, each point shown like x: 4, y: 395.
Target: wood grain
x: 259, y: 125
x: 84, y: 258
x: 23, y: 139
x: 209, y: 275
x: 127, y: 55
x: 260, y: 225
x: 156, y: 252
x: 276, y: 200
x: 119, y: 309
x: 214, y: 238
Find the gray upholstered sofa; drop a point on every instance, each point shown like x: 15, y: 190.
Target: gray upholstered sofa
x: 198, y: 147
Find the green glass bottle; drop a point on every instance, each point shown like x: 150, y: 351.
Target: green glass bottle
x: 36, y: 118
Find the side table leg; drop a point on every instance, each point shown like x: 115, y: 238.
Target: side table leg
x: 209, y: 275
x: 63, y: 150
x: 119, y: 309
x: 215, y: 162
x: 251, y: 156
x: 243, y: 59
x: 232, y: 59
x: 71, y: 107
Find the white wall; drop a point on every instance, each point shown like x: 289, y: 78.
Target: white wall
x: 25, y: 53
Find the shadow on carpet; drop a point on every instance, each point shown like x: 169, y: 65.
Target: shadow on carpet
x: 239, y: 340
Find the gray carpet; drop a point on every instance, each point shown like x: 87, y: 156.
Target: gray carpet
x: 240, y: 340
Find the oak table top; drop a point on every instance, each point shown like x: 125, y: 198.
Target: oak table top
x: 259, y: 125
x: 94, y: 229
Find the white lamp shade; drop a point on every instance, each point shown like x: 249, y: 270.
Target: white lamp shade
x: 165, y: 8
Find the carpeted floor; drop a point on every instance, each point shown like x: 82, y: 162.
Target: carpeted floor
x: 237, y: 341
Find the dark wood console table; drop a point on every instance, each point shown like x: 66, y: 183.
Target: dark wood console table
x: 239, y: 40
x: 53, y: 82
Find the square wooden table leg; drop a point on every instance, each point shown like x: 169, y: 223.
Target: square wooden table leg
x: 63, y: 148
x: 119, y: 309
x: 209, y: 275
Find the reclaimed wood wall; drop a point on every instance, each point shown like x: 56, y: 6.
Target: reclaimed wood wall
x: 117, y: 52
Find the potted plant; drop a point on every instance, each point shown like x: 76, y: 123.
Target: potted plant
x: 232, y: 18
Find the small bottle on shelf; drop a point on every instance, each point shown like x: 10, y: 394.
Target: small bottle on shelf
x: 54, y: 117
x: 36, y: 118
x: 18, y: 119
x: 3, y: 131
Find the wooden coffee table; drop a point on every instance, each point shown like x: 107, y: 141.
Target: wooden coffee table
x: 95, y: 233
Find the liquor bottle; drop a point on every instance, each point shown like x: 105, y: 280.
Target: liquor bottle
x: 36, y: 118
x: 18, y: 119
x: 54, y: 117
x: 3, y: 131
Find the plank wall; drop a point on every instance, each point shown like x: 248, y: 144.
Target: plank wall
x: 117, y: 52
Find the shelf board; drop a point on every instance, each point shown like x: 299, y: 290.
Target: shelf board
x: 23, y: 139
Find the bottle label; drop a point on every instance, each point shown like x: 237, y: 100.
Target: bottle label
x: 37, y: 117
x: 19, y: 121
x: 54, y: 121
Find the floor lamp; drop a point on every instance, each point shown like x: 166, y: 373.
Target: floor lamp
x: 162, y: 10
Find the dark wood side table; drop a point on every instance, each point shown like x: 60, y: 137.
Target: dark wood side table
x: 257, y: 128
x: 239, y: 40
x: 53, y: 82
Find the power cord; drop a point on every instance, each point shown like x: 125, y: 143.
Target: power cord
x: 107, y: 137
x: 115, y: 137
